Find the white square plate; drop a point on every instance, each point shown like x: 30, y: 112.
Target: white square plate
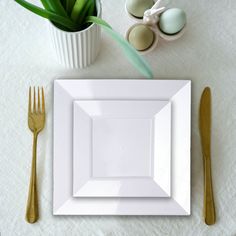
x: 178, y: 92
x: 121, y: 148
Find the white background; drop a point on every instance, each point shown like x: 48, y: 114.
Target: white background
x: 206, y: 54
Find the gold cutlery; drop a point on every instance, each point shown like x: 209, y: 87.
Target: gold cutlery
x: 205, y: 133
x: 36, y: 122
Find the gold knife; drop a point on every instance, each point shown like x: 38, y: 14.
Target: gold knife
x: 205, y: 133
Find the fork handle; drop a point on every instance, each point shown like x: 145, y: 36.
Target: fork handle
x: 32, y: 203
x: 209, y: 206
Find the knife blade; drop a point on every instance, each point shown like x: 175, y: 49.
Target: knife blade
x: 205, y: 133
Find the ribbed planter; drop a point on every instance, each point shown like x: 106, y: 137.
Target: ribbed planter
x: 77, y: 49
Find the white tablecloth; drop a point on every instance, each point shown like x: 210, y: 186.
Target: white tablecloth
x: 206, y: 54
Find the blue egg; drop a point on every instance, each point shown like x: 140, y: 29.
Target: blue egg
x: 172, y: 21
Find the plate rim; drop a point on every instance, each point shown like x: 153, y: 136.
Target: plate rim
x: 65, y: 204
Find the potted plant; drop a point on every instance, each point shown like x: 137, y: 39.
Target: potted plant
x: 75, y: 27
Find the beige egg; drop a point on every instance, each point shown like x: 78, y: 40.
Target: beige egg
x: 141, y: 37
x: 138, y: 7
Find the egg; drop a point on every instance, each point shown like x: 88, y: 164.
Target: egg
x: 141, y: 37
x: 138, y: 7
x: 172, y: 21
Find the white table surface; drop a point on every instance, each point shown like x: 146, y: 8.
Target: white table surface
x: 206, y: 54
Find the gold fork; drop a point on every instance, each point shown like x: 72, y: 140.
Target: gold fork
x: 36, y: 122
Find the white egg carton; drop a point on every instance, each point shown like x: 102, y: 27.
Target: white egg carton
x: 152, y: 23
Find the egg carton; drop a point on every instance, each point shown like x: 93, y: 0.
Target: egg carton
x: 155, y: 20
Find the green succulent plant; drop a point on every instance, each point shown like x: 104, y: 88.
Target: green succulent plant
x: 76, y: 15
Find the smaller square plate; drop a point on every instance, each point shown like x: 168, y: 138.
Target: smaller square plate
x: 121, y: 148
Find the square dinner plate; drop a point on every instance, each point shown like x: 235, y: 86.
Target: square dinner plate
x: 121, y: 148
x: 178, y: 92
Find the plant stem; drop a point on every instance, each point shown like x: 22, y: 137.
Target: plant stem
x: 131, y: 53
x: 61, y: 20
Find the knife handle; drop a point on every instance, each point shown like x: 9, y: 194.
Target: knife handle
x: 209, y: 206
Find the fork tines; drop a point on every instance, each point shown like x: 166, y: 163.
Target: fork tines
x: 39, y: 108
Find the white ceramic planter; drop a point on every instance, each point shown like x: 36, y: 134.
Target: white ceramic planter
x: 77, y: 49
